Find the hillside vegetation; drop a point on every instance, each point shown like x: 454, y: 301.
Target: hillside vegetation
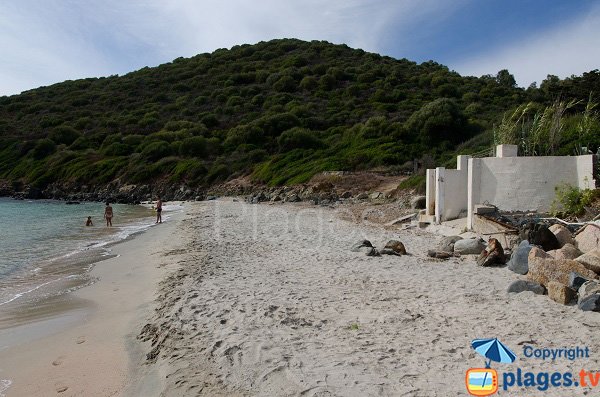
x: 279, y: 111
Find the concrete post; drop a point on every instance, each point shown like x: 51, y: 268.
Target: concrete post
x: 473, y: 186
x: 430, y: 192
x: 507, y: 150
x: 439, y: 194
x: 462, y: 162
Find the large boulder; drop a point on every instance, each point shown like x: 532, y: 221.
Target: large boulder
x: 544, y: 269
x: 396, y: 246
x: 587, y: 289
x: 519, y: 286
x: 590, y: 260
x: 589, y: 238
x: 568, y: 251
x: 560, y: 293
x: 563, y: 235
x: 447, y: 243
x: 472, y: 246
x: 518, y: 262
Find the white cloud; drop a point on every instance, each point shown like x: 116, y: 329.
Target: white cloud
x: 562, y: 51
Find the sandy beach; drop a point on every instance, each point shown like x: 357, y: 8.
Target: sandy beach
x: 269, y: 300
x: 234, y: 299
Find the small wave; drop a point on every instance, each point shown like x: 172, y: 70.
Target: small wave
x: 20, y: 294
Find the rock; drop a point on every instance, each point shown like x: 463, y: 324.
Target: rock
x: 388, y: 251
x: 587, y: 289
x: 362, y: 196
x: 518, y: 262
x: 346, y: 195
x: 396, y: 246
x: 543, y: 270
x: 447, y: 243
x: 590, y: 260
x: 361, y: 243
x: 418, y: 203
x: 589, y: 238
x: 560, y: 293
x: 439, y: 254
x: 519, y: 286
x: 538, y: 234
x: 373, y: 252
x: 469, y: 246
x: 376, y: 195
x: 292, y: 198
x: 493, y: 254
x: 576, y: 280
x: 568, y: 251
x: 563, y: 235
x: 590, y: 304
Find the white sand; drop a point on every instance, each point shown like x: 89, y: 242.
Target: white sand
x: 270, y: 301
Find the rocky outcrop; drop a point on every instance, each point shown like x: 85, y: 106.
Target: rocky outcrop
x: 543, y: 269
x: 568, y: 251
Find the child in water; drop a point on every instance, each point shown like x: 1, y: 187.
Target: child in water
x: 89, y: 221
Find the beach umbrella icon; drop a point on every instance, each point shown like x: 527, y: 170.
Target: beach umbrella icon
x: 493, y: 350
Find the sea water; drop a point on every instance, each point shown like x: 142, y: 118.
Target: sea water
x: 46, y: 249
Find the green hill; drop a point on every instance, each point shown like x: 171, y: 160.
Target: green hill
x: 281, y: 111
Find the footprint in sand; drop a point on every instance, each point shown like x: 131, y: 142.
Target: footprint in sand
x: 58, y: 361
x: 80, y: 340
x: 61, y: 388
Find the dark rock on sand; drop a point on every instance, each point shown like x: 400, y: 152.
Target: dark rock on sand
x: 590, y: 304
x: 576, y: 280
x: 360, y: 244
x: 519, y: 262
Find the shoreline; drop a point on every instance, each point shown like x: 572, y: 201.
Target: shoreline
x: 84, y: 342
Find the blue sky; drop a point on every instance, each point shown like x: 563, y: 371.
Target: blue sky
x: 47, y: 41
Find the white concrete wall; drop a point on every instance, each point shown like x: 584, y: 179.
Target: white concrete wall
x: 455, y: 200
x: 524, y: 183
x: 509, y: 183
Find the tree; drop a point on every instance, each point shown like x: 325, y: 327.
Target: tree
x: 505, y: 79
x: 438, y: 121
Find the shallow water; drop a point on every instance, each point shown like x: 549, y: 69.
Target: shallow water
x: 46, y: 249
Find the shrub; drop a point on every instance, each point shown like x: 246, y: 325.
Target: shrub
x: 298, y: 138
x: 193, y: 147
x: 64, y: 134
x: 43, y: 148
x: 571, y: 201
x: 156, y: 150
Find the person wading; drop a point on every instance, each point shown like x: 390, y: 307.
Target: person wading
x: 108, y: 214
x: 158, y: 209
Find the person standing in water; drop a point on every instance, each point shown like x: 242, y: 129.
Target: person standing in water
x: 158, y: 209
x: 108, y: 214
x: 89, y: 221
